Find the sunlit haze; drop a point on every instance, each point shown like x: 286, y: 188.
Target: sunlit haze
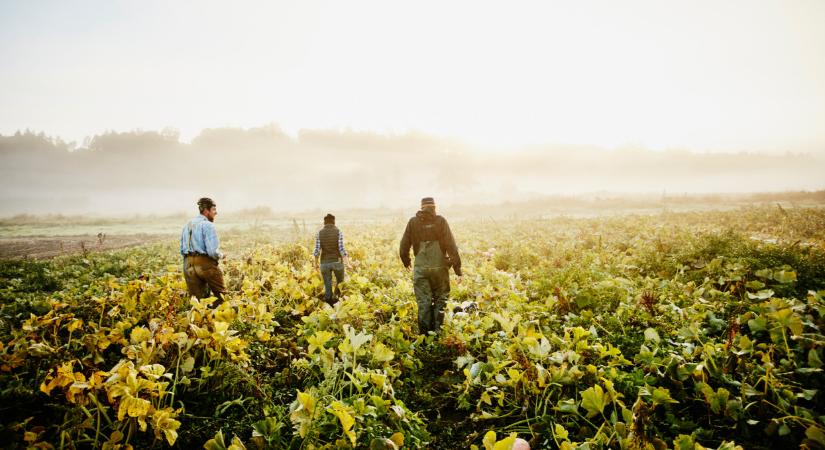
x: 120, y: 107
x: 701, y: 75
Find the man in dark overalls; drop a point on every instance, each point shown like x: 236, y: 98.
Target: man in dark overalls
x: 330, y: 257
x: 435, y: 252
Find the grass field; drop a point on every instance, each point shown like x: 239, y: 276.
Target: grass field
x: 670, y: 330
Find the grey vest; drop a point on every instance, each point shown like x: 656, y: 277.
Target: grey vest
x: 329, y: 243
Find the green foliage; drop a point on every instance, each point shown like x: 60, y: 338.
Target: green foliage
x: 698, y: 330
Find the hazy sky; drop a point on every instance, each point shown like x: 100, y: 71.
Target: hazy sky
x: 702, y: 75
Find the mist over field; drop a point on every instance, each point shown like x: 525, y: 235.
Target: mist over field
x: 151, y: 172
x: 375, y: 104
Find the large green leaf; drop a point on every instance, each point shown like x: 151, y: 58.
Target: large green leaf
x: 593, y: 400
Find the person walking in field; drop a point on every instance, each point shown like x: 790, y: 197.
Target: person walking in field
x: 199, y: 247
x: 431, y: 240
x: 330, y: 258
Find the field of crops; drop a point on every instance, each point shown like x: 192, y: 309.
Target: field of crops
x: 684, y: 331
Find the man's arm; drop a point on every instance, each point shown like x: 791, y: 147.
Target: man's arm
x: 183, y: 241
x: 210, y: 239
x: 317, y: 252
x: 406, y: 243
x: 452, y: 249
x: 341, y: 248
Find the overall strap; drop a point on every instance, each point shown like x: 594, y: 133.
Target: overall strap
x: 191, y: 229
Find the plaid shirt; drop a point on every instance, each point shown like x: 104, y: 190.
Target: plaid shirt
x: 199, y: 236
x: 341, y: 250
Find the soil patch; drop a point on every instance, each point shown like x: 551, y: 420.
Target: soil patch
x: 40, y: 247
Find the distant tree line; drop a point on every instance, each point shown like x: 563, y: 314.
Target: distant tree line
x: 265, y: 166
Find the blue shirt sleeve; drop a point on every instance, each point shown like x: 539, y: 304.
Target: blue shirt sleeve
x: 341, y: 249
x: 183, y: 240
x: 210, y: 238
x: 317, y: 250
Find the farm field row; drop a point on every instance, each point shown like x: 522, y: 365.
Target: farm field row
x: 677, y: 330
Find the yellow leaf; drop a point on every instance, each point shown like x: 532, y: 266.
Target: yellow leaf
x: 115, y: 437
x: 347, y: 421
x: 220, y: 327
x: 103, y: 343
x: 140, y: 334
x: 188, y: 364
x: 75, y: 324
x: 560, y: 432
x: 345, y: 347
x: 306, y: 400
x: 199, y: 332
x: 514, y: 375
x: 216, y: 443
x: 153, y: 371
x: 378, y: 379
x: 506, y: 443
x: 489, y: 440
x: 226, y: 314
x: 398, y: 439
x: 163, y: 421
x: 318, y: 340
x: 593, y: 400
x: 263, y: 335
x: 46, y: 388
x: 180, y: 338
x: 303, y: 412
x: 236, y: 444
x: 382, y: 353
x: 137, y: 407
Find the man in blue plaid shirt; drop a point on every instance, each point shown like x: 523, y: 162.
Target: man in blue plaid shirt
x: 199, y: 247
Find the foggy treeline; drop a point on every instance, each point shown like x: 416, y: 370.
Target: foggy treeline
x: 144, y: 172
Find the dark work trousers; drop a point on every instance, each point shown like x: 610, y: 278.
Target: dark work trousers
x: 431, y: 284
x: 203, y: 275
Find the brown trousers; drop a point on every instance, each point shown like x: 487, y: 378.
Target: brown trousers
x: 202, y: 275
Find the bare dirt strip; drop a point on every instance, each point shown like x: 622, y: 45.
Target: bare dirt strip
x: 42, y: 247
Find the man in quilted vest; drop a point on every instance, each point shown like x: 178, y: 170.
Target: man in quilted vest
x: 330, y: 257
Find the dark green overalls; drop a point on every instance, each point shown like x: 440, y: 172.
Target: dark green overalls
x: 431, y: 283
